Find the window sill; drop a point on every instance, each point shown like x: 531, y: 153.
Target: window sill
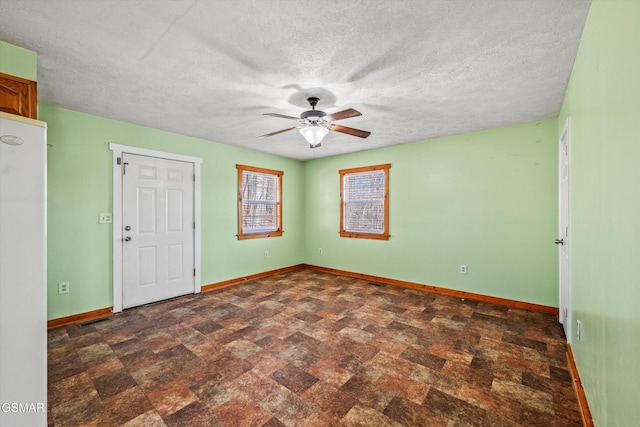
x: 259, y: 235
x: 354, y: 235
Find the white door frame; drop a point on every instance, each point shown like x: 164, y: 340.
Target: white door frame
x: 564, y: 266
x: 118, y: 150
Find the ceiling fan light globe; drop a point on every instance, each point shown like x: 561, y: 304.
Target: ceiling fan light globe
x: 314, y: 134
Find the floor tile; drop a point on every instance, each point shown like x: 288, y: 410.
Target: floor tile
x: 127, y: 405
x: 294, y: 379
x: 242, y: 411
x: 171, y: 397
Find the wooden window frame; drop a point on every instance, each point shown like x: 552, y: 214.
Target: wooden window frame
x: 343, y: 204
x: 278, y: 174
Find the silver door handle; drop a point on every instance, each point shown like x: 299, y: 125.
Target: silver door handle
x: 127, y: 239
x: 559, y: 241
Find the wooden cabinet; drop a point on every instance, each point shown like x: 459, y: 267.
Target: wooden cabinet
x: 18, y: 96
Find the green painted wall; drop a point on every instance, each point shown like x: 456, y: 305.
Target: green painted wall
x: 603, y: 102
x: 80, y: 187
x: 17, y: 61
x: 486, y: 199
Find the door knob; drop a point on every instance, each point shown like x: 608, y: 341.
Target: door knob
x: 127, y: 239
x: 559, y: 241
x: 128, y: 227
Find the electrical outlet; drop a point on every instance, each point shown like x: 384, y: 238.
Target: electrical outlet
x: 63, y: 288
x: 320, y: 251
x: 463, y: 269
x: 266, y: 255
x: 579, y: 330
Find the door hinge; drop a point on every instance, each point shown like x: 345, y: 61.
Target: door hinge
x: 194, y: 177
x: 194, y: 272
x: 124, y: 168
x: 194, y: 225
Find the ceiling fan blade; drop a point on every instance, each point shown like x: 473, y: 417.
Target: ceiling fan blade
x: 350, y: 131
x: 276, y: 132
x: 344, y: 114
x: 281, y: 116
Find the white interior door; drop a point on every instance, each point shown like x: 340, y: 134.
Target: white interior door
x: 563, y: 221
x: 157, y: 229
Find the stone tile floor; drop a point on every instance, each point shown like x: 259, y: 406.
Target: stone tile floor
x: 309, y: 348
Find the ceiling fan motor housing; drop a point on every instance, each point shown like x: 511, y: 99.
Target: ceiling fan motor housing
x: 313, y: 115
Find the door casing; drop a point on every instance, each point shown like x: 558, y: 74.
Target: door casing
x: 117, y: 151
x: 564, y: 270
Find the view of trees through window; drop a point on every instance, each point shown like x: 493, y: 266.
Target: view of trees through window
x: 364, y: 202
x: 259, y: 202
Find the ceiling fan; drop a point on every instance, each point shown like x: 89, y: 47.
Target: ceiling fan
x: 315, y: 124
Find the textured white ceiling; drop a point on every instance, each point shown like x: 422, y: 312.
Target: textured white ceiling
x: 415, y: 69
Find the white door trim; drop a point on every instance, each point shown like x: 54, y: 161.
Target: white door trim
x: 564, y: 259
x: 118, y: 151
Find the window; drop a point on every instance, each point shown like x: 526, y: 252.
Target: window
x: 364, y: 202
x: 259, y: 202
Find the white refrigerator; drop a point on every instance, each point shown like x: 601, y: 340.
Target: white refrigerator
x: 23, y: 290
